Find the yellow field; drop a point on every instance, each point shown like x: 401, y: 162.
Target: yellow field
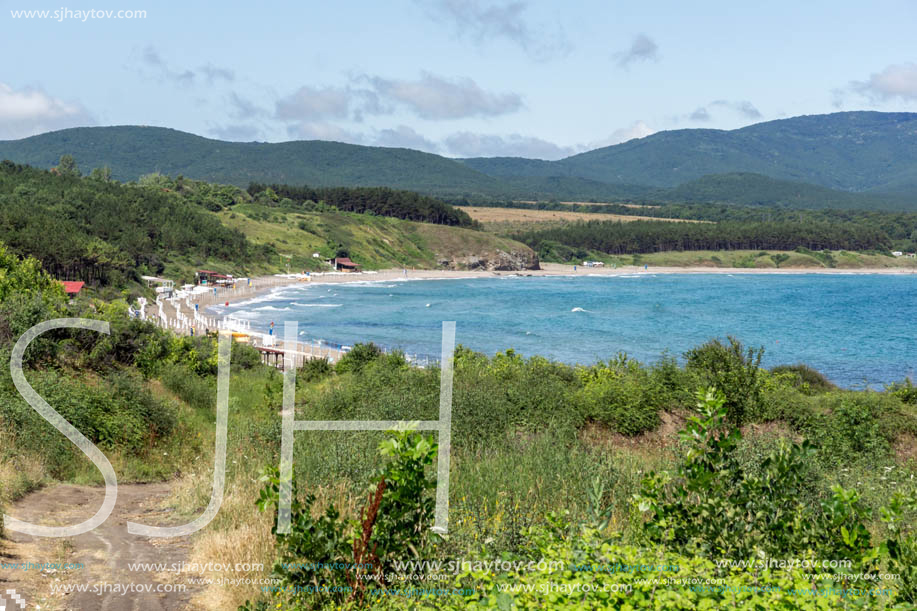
x: 523, y: 201
x: 520, y: 215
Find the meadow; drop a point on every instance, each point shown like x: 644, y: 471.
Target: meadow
x: 507, y: 220
x: 579, y: 465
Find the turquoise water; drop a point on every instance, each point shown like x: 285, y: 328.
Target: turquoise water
x: 856, y: 329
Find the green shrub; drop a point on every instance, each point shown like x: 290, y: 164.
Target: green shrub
x: 244, y: 356
x: 394, y: 526
x: 314, y: 370
x: 852, y: 427
x: 716, y: 507
x: 805, y: 378
x: 905, y: 391
x: 621, y: 395
x: 731, y: 369
x: 198, y: 392
x: 358, y: 357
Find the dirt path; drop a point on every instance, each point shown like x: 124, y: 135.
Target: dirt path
x: 104, y: 553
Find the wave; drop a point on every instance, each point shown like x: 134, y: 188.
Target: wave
x: 579, y: 310
x: 316, y: 305
x: 270, y: 308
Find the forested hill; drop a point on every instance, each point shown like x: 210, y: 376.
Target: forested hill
x: 748, y: 189
x: 103, y: 232
x: 870, y: 155
x: 132, y: 151
x: 106, y: 233
x: 382, y: 201
x: 853, y: 151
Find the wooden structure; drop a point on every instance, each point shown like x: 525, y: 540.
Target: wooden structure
x: 212, y: 278
x: 271, y: 356
x: 344, y: 264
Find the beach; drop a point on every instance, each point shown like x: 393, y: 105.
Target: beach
x: 266, y: 283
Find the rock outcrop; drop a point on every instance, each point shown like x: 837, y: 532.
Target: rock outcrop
x: 498, y: 261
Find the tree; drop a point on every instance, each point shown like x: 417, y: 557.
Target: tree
x: 103, y: 174
x: 67, y: 166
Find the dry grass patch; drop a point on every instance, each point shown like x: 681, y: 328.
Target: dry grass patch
x: 521, y: 215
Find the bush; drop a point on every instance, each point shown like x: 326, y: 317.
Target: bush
x: 244, y: 356
x: 117, y: 412
x: 731, y: 369
x: 394, y: 525
x: 621, y: 395
x: 905, y: 391
x: 852, y: 427
x: 805, y: 378
x: 358, y: 357
x: 704, y: 509
x: 314, y: 370
x: 194, y: 390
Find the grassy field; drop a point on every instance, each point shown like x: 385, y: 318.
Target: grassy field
x: 596, y: 204
x: 372, y: 241
x: 503, y: 220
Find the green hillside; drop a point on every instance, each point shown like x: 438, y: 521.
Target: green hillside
x: 748, y: 189
x: 855, y: 151
x: 373, y: 242
x: 133, y: 151
x: 107, y: 233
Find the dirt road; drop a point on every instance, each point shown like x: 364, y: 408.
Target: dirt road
x: 108, y: 583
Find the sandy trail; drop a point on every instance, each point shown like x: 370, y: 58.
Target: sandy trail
x: 104, y: 552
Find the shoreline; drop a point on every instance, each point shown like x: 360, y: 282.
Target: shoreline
x: 547, y: 270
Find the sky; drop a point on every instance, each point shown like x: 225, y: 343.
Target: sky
x: 461, y: 78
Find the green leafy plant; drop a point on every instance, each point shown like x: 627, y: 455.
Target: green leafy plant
x: 355, y: 554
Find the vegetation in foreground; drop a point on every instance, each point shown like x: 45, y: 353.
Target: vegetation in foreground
x: 550, y: 462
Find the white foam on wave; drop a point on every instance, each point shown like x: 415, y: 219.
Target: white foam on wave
x: 270, y: 308
x: 317, y: 305
x: 579, y: 310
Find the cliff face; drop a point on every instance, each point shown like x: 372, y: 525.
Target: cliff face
x: 500, y: 260
x: 462, y: 249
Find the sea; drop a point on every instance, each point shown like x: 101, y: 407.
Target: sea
x: 859, y: 330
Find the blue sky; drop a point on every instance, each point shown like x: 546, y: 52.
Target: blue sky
x: 460, y: 78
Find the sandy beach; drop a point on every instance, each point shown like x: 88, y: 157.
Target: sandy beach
x: 547, y: 269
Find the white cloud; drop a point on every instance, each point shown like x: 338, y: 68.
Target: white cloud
x: 468, y: 144
x: 743, y: 107
x: 896, y: 81
x: 405, y: 137
x: 637, y: 129
x: 701, y: 114
x: 237, y: 133
x: 704, y: 114
x: 485, y: 20
x: 314, y: 103
x: 150, y: 58
x: 30, y: 111
x: 313, y: 130
x: 434, y: 97
x: 642, y: 49
x: 428, y: 97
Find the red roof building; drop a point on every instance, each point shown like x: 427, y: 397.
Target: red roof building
x: 344, y: 264
x: 72, y: 288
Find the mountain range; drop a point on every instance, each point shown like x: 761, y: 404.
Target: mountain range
x: 842, y: 160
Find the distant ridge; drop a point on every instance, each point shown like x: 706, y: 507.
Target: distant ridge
x: 871, y: 156
x: 851, y: 151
